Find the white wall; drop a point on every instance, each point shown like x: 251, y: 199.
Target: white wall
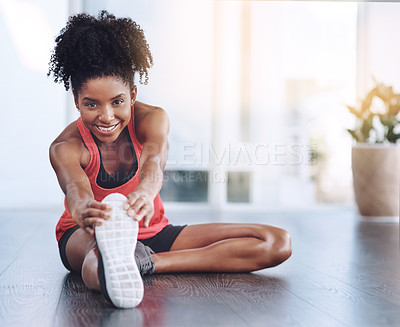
x: 179, y: 33
x: 379, y: 46
x: 32, y: 107
x: 181, y: 36
x: 35, y: 110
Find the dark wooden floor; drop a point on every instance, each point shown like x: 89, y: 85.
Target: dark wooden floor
x: 343, y: 272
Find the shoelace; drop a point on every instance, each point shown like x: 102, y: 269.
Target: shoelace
x: 145, y: 266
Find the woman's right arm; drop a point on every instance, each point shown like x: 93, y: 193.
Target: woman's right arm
x: 65, y: 157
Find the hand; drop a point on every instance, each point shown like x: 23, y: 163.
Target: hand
x: 140, y: 205
x: 91, y: 213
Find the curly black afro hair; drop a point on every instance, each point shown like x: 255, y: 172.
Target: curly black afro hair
x: 90, y: 47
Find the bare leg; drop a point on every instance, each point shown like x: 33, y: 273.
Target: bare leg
x: 225, y: 248
x: 199, y: 248
x: 83, y: 257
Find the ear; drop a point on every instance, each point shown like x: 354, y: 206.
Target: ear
x: 133, y: 95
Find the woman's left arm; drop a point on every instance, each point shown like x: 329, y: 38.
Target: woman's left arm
x: 152, y: 128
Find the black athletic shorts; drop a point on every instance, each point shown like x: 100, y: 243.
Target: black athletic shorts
x: 161, y: 242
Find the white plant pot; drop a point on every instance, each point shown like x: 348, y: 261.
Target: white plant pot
x: 376, y: 180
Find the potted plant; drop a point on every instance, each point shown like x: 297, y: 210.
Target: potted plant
x: 375, y: 155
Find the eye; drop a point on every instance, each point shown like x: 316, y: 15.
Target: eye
x: 118, y: 101
x: 90, y: 104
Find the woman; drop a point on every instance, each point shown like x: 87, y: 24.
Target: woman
x: 119, y: 145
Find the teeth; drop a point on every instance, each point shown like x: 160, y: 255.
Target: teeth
x: 106, y: 129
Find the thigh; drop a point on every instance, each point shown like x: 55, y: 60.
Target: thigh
x: 196, y: 236
x: 164, y: 239
x: 78, y: 246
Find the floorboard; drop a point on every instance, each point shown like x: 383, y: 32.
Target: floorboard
x: 343, y: 272
x: 31, y: 283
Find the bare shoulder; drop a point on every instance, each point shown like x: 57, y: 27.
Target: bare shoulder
x: 145, y: 111
x: 69, y: 146
x: 150, y: 120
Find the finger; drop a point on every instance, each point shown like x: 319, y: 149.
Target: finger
x: 96, y: 213
x: 99, y: 205
x: 147, y: 215
x: 147, y: 219
x: 139, y: 210
x: 127, y: 205
x: 89, y: 222
x: 144, y: 211
x: 132, y: 197
x: 131, y: 213
x: 89, y: 230
x: 139, y: 204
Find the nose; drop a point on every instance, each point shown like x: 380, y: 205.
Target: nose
x: 106, y: 114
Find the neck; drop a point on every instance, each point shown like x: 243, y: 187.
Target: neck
x: 123, y: 137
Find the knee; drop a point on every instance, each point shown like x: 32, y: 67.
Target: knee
x: 284, y: 245
x: 278, y: 247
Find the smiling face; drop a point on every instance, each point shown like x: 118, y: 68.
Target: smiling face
x: 105, y: 106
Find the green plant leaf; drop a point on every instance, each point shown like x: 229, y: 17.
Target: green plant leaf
x: 366, y: 127
x: 386, y: 120
x: 391, y: 136
x: 355, y: 135
x: 367, y: 121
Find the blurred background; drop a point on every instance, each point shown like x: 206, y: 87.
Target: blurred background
x: 255, y: 91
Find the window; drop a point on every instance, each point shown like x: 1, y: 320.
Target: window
x: 254, y: 91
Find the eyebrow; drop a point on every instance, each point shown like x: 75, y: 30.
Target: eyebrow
x: 94, y: 100
x: 118, y: 96
x: 89, y: 99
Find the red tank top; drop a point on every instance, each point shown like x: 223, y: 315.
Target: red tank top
x: 157, y: 222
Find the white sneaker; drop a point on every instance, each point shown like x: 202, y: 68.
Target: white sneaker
x: 116, y: 239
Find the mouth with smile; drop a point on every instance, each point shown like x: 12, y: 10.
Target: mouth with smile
x: 106, y: 130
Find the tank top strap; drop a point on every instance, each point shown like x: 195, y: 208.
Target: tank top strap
x: 94, y: 164
x: 132, y: 133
